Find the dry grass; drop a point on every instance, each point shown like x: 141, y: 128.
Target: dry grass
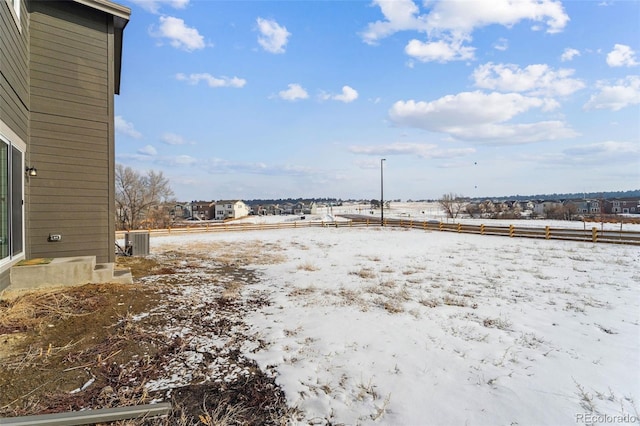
x: 308, y: 266
x: 304, y: 291
x: 59, y: 340
x: 365, y: 273
x: 231, y: 291
x: 454, y: 301
x: 36, y: 309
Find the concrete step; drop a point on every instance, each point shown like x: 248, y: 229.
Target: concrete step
x: 102, y: 273
x: 122, y: 276
x: 65, y: 271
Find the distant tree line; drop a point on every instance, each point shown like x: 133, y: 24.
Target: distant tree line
x: 566, y: 196
x: 260, y: 201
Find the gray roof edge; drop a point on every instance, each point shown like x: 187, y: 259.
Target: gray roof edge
x: 107, y: 6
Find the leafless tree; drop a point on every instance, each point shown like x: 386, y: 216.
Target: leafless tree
x: 139, y: 196
x: 452, y: 204
x: 473, y: 209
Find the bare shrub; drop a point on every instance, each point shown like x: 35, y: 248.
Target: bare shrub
x: 365, y: 273
x: 430, y: 303
x: 454, y: 301
x: 500, y: 323
x: 307, y: 266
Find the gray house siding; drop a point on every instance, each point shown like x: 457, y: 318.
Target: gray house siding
x: 14, y: 80
x: 71, y: 140
x: 14, y: 87
x: 14, y: 74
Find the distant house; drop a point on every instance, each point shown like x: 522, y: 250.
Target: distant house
x: 622, y: 206
x: 586, y: 207
x: 274, y: 209
x: 202, y: 210
x: 181, y: 211
x: 60, y: 67
x: 230, y: 209
x: 541, y: 207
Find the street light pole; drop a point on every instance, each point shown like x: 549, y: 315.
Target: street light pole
x: 381, y: 193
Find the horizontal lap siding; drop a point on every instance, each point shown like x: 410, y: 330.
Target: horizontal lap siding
x: 14, y: 82
x: 14, y: 74
x: 69, y: 144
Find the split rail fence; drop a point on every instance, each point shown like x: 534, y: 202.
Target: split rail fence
x: 593, y: 234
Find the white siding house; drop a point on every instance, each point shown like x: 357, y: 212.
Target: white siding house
x: 230, y: 209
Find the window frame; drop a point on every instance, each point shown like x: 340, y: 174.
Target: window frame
x: 12, y: 141
x: 14, y: 8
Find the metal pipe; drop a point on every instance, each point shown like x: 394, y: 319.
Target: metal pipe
x: 90, y: 416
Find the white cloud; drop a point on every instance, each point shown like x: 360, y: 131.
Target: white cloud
x: 293, y: 93
x: 211, y: 80
x: 623, y: 93
x: 154, y: 6
x: 126, y: 128
x: 148, y: 150
x: 439, y: 51
x: 607, y: 153
x: 480, y: 117
x: 400, y: 15
x: 417, y: 149
x: 461, y: 17
x: 181, y: 160
x: 502, y: 44
x: 569, y: 54
x: 621, y: 56
x: 606, y: 148
x: 348, y: 94
x: 174, y: 139
x: 450, y: 23
x: 273, y: 37
x: 180, y: 36
x: 537, y: 79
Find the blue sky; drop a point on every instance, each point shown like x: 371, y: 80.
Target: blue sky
x: 278, y: 99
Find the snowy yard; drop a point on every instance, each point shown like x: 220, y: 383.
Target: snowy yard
x: 395, y: 326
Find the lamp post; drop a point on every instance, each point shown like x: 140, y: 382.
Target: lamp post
x: 381, y: 193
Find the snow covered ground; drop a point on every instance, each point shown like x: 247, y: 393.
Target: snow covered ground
x: 406, y: 327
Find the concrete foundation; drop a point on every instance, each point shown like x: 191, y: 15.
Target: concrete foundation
x: 66, y: 271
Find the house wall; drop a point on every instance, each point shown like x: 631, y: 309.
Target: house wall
x: 71, y: 136
x: 14, y: 76
x: 14, y: 89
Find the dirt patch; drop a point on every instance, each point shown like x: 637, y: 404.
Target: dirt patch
x: 109, y: 345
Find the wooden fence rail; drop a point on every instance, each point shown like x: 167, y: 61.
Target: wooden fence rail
x: 594, y: 235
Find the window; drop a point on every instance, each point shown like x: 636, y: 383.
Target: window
x: 11, y: 196
x: 14, y: 6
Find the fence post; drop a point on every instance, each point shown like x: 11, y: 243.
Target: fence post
x: 411, y: 224
x: 547, y: 232
x: 459, y: 227
x: 512, y: 230
x: 482, y: 229
x: 168, y: 230
x: 594, y: 234
x: 440, y: 226
x: 367, y: 223
x: 424, y: 225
